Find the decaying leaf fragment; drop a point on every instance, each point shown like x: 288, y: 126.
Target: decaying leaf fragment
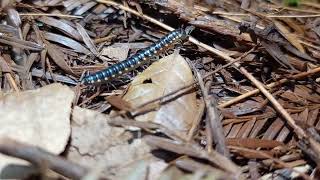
x: 37, y: 117
x: 162, y: 77
x: 94, y: 141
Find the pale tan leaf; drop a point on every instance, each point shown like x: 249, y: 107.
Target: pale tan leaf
x: 116, y: 52
x: 168, y: 74
x: 38, y: 117
x: 289, y: 36
x: 92, y: 134
x: 93, y: 141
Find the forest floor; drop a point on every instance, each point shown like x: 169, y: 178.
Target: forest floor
x: 190, y: 89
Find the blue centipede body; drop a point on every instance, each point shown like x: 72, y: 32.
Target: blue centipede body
x: 138, y: 59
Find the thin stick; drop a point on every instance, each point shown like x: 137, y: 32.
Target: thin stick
x: 269, y: 86
x: 38, y: 157
x: 53, y: 15
x: 195, y: 123
x: 269, y: 16
x: 12, y: 82
x: 269, y: 157
x: 293, y: 16
x: 194, y: 150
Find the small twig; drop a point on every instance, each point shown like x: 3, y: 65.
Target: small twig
x: 90, y: 98
x: 194, y: 151
x: 217, y: 128
x: 193, y: 166
x: 269, y: 86
x: 195, y: 123
x: 148, y: 126
x: 103, y: 39
x: 50, y: 70
x: 269, y: 16
x: 5, y: 67
x: 54, y: 15
x: 231, y: 62
x: 267, y: 156
x: 12, y: 82
x: 210, y: 116
x: 293, y: 16
x: 39, y: 156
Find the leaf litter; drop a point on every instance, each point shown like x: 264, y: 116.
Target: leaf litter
x: 94, y: 141
x: 183, y: 119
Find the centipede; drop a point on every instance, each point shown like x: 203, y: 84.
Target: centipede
x: 138, y: 59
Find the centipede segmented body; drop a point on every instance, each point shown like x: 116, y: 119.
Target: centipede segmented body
x: 138, y: 59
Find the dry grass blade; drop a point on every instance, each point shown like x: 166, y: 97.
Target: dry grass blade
x: 7, y: 29
x: 38, y: 156
x: 62, y: 26
x: 18, y: 43
x: 87, y: 40
x: 67, y: 42
x: 194, y: 151
x: 289, y: 36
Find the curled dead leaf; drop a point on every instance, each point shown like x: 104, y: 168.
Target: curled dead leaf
x: 167, y: 75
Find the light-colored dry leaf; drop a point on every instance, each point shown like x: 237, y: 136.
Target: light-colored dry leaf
x: 93, y: 141
x: 116, y: 52
x: 139, y: 172
x: 289, y: 36
x: 156, y: 169
x: 38, y: 117
x: 92, y: 134
x: 168, y: 74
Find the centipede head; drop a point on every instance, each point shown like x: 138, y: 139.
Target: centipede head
x: 186, y: 31
x: 189, y: 29
x: 85, y: 81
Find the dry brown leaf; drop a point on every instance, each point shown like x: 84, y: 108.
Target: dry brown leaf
x: 306, y: 93
x: 39, y: 117
x: 118, y: 102
x: 168, y: 74
x: 86, y: 39
x: 253, y: 143
x: 289, y: 36
x: 58, y: 57
x: 8, y: 29
x: 246, y: 107
x: 18, y: 43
